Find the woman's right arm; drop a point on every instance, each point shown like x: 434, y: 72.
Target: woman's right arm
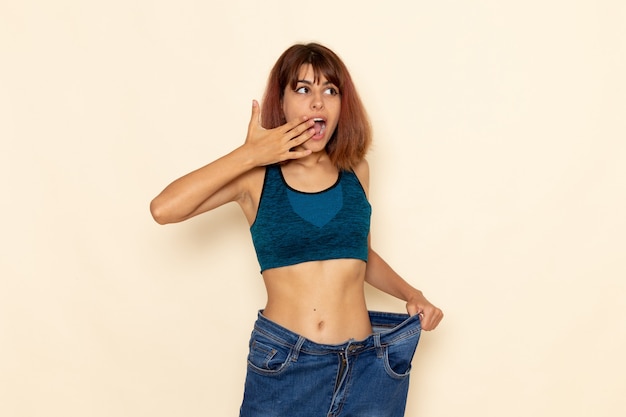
x: 220, y: 181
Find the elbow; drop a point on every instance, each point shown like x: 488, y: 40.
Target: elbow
x: 159, y: 214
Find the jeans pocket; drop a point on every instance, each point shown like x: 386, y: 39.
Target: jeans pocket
x: 267, y: 356
x: 399, y: 355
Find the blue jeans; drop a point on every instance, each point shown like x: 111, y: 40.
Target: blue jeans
x: 290, y: 376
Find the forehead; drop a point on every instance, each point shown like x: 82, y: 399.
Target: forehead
x: 308, y: 73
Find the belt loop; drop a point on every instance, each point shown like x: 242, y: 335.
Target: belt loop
x: 296, y: 349
x: 377, y: 344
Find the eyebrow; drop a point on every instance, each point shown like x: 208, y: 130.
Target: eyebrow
x: 307, y: 82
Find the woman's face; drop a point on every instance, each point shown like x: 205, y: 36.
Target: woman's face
x: 318, y: 101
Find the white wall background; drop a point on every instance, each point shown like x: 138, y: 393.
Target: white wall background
x: 498, y: 185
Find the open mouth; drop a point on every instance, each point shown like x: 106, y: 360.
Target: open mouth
x: 320, y: 126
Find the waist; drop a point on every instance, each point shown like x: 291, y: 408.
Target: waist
x: 323, y: 300
x: 387, y: 328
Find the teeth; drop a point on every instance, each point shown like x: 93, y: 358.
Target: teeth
x: 320, y: 124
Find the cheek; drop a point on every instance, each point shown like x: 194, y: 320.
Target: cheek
x: 287, y: 114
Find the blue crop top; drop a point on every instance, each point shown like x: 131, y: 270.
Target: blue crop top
x: 292, y: 226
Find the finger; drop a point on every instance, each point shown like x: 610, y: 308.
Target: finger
x: 255, y: 117
x: 298, y: 154
x: 432, y: 320
x: 427, y: 322
x: 301, y: 133
x: 412, y: 309
x: 298, y: 125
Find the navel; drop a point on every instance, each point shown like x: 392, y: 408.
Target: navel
x: 320, y: 325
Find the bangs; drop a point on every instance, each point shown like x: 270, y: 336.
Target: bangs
x: 322, y: 67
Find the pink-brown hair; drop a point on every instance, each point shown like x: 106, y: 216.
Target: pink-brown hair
x: 353, y: 135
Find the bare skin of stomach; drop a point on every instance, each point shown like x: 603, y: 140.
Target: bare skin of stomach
x: 323, y: 301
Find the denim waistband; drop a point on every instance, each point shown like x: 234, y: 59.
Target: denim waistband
x: 387, y: 328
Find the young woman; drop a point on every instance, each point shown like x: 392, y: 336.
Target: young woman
x: 301, y: 180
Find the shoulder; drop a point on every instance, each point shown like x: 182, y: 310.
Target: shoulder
x: 362, y: 172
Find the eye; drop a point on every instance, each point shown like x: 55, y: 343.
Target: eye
x: 302, y: 90
x: 332, y: 91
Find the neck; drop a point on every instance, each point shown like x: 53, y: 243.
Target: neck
x: 312, y: 160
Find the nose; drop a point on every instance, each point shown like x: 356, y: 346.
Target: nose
x: 317, y: 101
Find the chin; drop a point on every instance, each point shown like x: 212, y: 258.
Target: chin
x: 316, y: 147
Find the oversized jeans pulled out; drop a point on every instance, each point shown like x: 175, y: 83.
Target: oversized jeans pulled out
x: 291, y: 376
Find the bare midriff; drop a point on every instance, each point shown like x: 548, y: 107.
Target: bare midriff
x: 323, y: 301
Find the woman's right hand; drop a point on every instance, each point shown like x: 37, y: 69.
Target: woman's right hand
x: 270, y: 146
x: 215, y: 184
